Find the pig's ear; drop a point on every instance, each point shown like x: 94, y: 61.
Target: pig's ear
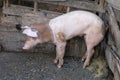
x: 30, y: 33
x: 34, y: 30
x: 25, y: 27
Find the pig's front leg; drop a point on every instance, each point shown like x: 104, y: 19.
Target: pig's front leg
x: 60, y: 51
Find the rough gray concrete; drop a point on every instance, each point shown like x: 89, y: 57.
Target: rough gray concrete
x: 39, y: 66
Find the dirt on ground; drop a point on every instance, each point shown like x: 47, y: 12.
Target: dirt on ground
x: 39, y: 66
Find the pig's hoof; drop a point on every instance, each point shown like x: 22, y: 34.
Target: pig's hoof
x: 55, y: 61
x: 83, y: 59
x: 85, y: 64
x: 59, y: 66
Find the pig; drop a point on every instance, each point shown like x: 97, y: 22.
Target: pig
x: 64, y: 27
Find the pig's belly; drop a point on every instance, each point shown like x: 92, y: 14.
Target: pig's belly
x: 70, y: 33
x: 70, y: 30
x: 81, y: 30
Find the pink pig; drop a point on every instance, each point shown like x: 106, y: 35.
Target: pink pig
x: 62, y: 28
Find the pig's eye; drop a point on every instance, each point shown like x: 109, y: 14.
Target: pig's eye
x: 34, y: 30
x: 34, y: 38
x: 29, y: 38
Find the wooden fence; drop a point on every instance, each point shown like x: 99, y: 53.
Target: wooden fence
x: 15, y: 12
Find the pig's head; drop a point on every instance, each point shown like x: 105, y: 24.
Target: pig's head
x: 32, y: 37
x: 30, y: 43
x: 37, y: 33
x: 31, y: 34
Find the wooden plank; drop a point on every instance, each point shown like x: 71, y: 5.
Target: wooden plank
x: 43, y: 0
x: 4, y: 27
x: 114, y: 3
x: 117, y: 14
x: 76, y: 47
x: 52, y: 0
x: 86, y: 5
x: 35, y: 6
x: 29, y: 18
x: 101, y: 5
x: 16, y: 15
x: 76, y: 4
x: 21, y: 14
x: 11, y: 36
x: 113, y: 62
x: 11, y: 19
x: 1, y: 49
x: 60, y: 0
x: 18, y: 10
x: 114, y: 27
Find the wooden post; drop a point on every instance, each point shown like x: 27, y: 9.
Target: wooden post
x: 7, y: 3
x: 68, y: 9
x: 19, y: 2
x: 35, y: 6
x: 114, y: 27
x: 4, y: 4
x: 101, y: 4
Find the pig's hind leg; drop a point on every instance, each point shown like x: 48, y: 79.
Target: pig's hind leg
x: 91, y: 41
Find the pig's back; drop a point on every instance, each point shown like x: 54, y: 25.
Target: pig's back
x: 75, y: 22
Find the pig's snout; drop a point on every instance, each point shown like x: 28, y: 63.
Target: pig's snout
x: 25, y: 48
x: 30, y: 44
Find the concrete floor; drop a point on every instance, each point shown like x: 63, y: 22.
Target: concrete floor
x: 39, y: 66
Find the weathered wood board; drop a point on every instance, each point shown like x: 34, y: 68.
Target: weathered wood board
x: 20, y: 14
x: 113, y: 43
x: 114, y: 28
x: 17, y: 10
x: 114, y: 3
x: 43, y: 0
x: 113, y: 62
x: 80, y: 4
x: 11, y: 19
x: 76, y: 4
x: 51, y: 0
